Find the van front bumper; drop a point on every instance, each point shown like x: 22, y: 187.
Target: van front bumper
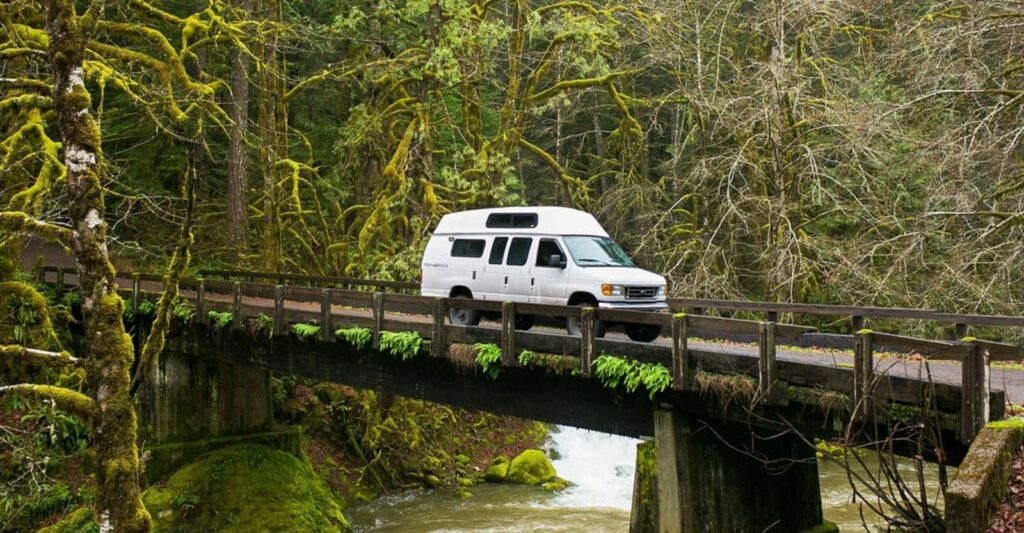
x: 634, y: 306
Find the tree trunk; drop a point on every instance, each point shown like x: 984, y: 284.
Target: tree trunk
x: 108, y: 349
x: 238, y: 220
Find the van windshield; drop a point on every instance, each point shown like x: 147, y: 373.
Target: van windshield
x: 597, y: 251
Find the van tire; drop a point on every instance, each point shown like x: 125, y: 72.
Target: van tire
x: 524, y: 322
x: 462, y: 317
x: 642, y: 332
x: 572, y: 324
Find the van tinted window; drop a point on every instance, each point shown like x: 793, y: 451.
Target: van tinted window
x: 468, y: 248
x: 519, y: 252
x: 512, y: 220
x: 498, y: 250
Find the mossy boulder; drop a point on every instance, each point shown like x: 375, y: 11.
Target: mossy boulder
x: 498, y: 470
x: 78, y: 521
x: 244, y: 488
x: 532, y: 467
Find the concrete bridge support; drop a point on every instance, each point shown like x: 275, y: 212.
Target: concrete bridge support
x: 707, y: 484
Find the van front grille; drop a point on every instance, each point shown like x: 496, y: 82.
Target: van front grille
x: 641, y: 292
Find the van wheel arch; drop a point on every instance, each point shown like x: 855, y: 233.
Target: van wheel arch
x: 580, y: 298
x: 460, y: 290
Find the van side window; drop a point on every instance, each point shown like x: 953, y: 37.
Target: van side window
x: 546, y: 249
x: 519, y: 252
x: 468, y: 248
x: 511, y: 220
x: 498, y: 250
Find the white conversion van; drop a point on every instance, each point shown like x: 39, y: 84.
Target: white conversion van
x: 546, y: 255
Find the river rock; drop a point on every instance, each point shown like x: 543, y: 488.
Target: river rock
x: 531, y: 467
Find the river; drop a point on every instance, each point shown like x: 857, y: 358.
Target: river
x: 601, y: 468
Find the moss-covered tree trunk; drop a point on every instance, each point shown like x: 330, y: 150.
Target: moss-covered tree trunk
x: 108, y: 349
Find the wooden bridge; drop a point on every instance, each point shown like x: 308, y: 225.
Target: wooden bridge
x: 680, y: 418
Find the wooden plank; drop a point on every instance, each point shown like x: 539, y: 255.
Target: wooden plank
x: 508, y: 334
x: 849, y: 310
x: 974, y: 386
x: 723, y: 325
x: 937, y: 350
x: 491, y: 306
x: 201, y: 301
x: 279, y: 318
x: 588, y: 347
x: 791, y: 332
x: 404, y: 303
x: 299, y: 278
x: 623, y: 316
x: 378, y: 317
x: 682, y: 371
x: 236, y: 305
x: 135, y: 294
x: 767, y: 373
x: 546, y: 310
x: 294, y: 293
x: 326, y: 329
x: 863, y: 372
x: 438, y: 340
x: 257, y: 290
x: 998, y: 351
x: 351, y: 298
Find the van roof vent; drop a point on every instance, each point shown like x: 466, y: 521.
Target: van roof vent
x: 512, y: 220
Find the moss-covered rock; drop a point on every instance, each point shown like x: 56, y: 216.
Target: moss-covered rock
x: 532, y: 467
x: 556, y: 484
x: 79, y: 521
x: 245, y: 488
x: 498, y: 470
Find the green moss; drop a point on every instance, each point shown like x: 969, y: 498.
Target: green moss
x: 79, y: 521
x: 1016, y: 422
x: 497, y: 471
x: 24, y: 321
x: 532, y: 467
x: 556, y: 485
x: 245, y: 488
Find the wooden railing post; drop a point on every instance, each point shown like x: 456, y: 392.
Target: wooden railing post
x: 201, y: 301
x: 863, y: 371
x: 438, y: 343
x: 767, y: 373
x: 974, y: 410
x: 236, y: 305
x: 136, y: 282
x: 60, y: 281
x: 588, y: 342
x: 960, y: 330
x: 856, y: 323
x: 682, y: 372
x: 279, y: 325
x: 326, y: 331
x: 378, y: 318
x: 508, y: 334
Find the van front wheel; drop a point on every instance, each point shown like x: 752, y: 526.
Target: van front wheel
x: 572, y: 326
x: 460, y: 316
x: 642, y: 332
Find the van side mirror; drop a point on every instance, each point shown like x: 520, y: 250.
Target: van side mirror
x: 556, y: 260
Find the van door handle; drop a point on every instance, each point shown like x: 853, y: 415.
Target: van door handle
x: 532, y: 280
x: 506, y: 280
x: 474, y: 274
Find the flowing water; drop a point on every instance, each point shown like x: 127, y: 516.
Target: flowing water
x: 601, y: 468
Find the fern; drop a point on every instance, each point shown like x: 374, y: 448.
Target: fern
x: 184, y: 310
x: 357, y: 337
x: 614, y: 371
x: 488, y: 356
x: 404, y: 345
x: 525, y: 357
x: 265, y: 323
x: 146, y: 308
x: 220, y: 320
x: 305, y: 331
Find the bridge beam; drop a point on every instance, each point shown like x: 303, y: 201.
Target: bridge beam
x: 712, y: 478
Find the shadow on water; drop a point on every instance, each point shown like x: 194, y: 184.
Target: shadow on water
x: 600, y: 465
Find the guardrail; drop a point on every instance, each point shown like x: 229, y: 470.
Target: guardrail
x: 330, y: 307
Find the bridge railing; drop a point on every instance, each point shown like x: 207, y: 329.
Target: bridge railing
x: 380, y: 311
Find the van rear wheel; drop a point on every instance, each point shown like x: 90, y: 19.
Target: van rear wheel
x: 460, y: 316
x: 642, y: 332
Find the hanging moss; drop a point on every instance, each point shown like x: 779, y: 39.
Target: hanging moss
x: 245, y: 488
x: 24, y: 321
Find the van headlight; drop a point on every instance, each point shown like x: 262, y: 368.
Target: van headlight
x: 608, y: 289
x: 662, y: 291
